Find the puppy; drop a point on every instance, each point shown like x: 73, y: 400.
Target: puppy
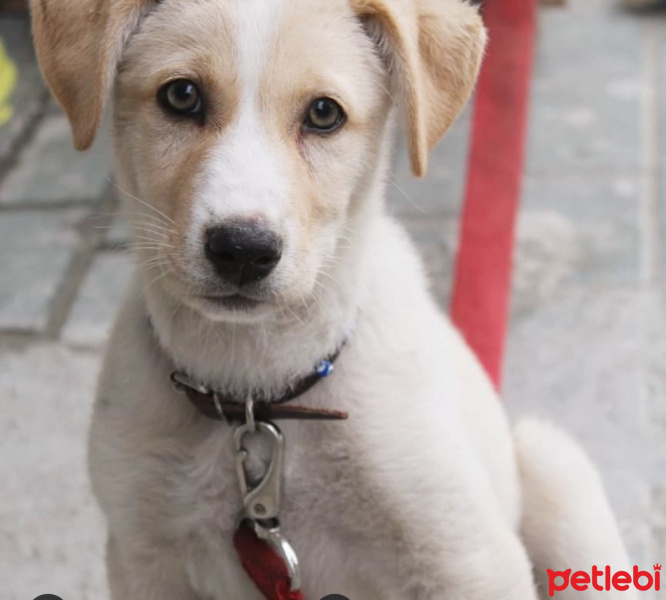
x: 253, y: 141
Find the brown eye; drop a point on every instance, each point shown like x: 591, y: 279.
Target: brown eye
x: 324, y: 116
x: 181, y: 97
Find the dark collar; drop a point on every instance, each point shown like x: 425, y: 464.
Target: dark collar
x: 229, y: 407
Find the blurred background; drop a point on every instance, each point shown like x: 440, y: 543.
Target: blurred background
x: 587, y: 345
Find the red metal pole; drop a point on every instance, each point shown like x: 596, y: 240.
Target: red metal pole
x: 482, y: 285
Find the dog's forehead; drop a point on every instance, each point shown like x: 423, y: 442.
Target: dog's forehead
x: 251, y: 30
x: 276, y: 50
x: 270, y: 36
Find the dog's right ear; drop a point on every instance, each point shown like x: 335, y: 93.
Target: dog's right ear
x: 79, y: 43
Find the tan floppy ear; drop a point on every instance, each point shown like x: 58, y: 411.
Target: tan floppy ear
x: 434, y: 50
x: 79, y: 43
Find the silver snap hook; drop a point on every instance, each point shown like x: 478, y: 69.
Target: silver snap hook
x: 261, y: 498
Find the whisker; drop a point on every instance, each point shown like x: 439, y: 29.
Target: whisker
x: 144, y: 218
x: 149, y: 223
x: 316, y: 298
x: 155, y: 262
x: 147, y: 242
x: 144, y: 203
x: 141, y: 221
x: 154, y: 236
x: 136, y: 249
x: 333, y: 279
x: 406, y: 196
x: 307, y: 306
x: 158, y: 278
x: 145, y: 238
x: 321, y: 285
x: 163, y: 233
x: 293, y: 314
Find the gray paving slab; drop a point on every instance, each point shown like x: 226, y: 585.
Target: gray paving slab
x: 588, y: 43
x: 35, y: 250
x: 658, y: 25
x: 659, y: 21
x: 50, y: 171
x: 659, y: 520
x: 589, y: 7
x: 51, y: 533
x: 580, y: 360
x: 596, y: 215
x: 580, y: 127
x: 587, y: 92
x: 21, y: 80
x: 546, y: 256
x: 587, y: 346
x: 94, y: 311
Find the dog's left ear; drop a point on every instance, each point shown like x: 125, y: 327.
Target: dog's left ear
x: 79, y: 44
x: 433, y: 49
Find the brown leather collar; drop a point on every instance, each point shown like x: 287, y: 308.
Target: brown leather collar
x: 228, y: 407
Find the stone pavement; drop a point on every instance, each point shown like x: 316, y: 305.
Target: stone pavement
x: 588, y: 337
x: 587, y: 344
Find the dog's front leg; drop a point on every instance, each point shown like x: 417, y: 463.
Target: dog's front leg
x: 445, y: 547
x: 436, y: 516
x: 507, y: 575
x: 133, y: 577
x: 500, y: 571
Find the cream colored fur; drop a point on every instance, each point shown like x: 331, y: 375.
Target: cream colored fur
x: 424, y: 494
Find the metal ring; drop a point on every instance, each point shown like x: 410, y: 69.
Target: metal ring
x: 249, y: 414
x: 218, y: 406
x: 284, y: 549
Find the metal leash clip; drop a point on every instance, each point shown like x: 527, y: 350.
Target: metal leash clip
x: 180, y: 382
x: 261, y: 498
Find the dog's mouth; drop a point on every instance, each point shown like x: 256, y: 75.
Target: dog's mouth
x: 233, y: 302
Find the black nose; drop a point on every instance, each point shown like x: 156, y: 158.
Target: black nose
x: 243, y: 252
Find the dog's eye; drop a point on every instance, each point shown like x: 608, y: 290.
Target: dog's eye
x: 324, y: 116
x: 181, y: 97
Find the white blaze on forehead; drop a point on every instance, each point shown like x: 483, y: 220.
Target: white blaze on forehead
x: 256, y: 24
x: 244, y: 175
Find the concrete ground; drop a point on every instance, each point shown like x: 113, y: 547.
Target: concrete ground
x: 588, y: 338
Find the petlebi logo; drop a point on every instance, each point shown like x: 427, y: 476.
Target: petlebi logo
x: 604, y: 580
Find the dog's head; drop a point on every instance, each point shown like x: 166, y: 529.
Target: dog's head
x: 249, y: 132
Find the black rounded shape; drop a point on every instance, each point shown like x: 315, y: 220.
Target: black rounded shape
x: 324, y: 115
x: 335, y: 597
x: 48, y: 597
x: 243, y: 252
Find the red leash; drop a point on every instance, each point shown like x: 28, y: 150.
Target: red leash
x: 264, y: 566
x: 482, y: 285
